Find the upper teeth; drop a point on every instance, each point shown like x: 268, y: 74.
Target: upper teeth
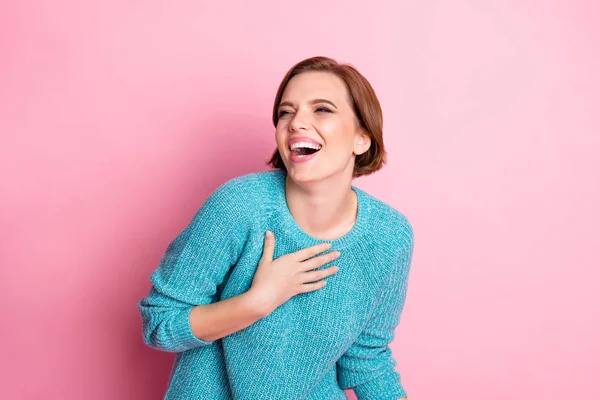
x: 305, y: 144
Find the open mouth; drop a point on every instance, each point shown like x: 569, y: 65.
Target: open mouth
x: 305, y: 148
x: 304, y: 151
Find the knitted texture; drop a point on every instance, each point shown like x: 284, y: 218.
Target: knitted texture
x: 312, y: 346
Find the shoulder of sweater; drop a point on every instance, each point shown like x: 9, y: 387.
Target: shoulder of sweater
x: 395, y: 235
x: 391, y: 222
x: 241, y: 192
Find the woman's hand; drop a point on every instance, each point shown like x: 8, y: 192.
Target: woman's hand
x: 276, y: 281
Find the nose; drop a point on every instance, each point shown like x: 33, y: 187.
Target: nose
x: 298, y: 122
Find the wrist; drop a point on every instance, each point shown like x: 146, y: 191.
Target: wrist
x: 261, y: 306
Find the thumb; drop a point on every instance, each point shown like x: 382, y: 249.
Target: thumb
x: 269, y: 246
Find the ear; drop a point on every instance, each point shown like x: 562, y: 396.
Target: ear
x: 362, y: 142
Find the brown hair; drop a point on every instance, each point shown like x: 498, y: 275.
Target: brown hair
x: 363, y: 100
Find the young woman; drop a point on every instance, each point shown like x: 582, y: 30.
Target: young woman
x: 240, y: 293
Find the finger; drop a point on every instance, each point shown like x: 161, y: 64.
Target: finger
x: 269, y: 246
x: 320, y: 260
x: 320, y: 274
x: 309, y: 287
x: 309, y: 252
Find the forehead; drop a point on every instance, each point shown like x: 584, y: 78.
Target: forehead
x: 315, y: 84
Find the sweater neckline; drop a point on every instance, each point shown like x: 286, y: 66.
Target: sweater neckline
x: 347, y: 239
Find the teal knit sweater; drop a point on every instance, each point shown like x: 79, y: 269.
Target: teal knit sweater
x: 312, y: 346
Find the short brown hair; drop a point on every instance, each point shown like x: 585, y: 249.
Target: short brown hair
x: 363, y: 100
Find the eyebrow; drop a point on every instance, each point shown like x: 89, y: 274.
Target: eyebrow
x: 313, y: 101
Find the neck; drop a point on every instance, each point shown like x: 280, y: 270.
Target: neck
x: 326, y: 209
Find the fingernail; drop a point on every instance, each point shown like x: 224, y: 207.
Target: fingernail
x: 269, y: 234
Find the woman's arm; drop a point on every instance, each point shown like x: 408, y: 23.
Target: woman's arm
x: 178, y: 312
x: 213, y: 321
x: 368, y: 366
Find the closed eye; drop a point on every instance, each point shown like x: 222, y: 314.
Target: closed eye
x: 320, y: 109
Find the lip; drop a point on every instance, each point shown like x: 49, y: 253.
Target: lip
x: 302, y: 139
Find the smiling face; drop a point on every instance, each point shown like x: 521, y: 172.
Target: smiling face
x: 316, y: 106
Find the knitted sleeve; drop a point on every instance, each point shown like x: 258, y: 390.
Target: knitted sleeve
x: 194, y: 264
x: 368, y: 366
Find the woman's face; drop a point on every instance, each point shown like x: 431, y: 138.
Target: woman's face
x: 316, y: 105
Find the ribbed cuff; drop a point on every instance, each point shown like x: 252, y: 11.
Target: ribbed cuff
x: 385, y: 387
x: 182, y: 336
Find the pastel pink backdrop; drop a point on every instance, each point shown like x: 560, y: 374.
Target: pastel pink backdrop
x: 118, y: 119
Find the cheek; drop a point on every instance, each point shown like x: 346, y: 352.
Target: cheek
x: 335, y: 132
x: 280, y: 139
x: 330, y: 130
x: 281, y: 128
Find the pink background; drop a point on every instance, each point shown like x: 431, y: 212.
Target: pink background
x: 118, y: 119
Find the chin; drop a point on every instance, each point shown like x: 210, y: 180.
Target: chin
x: 302, y: 176
x: 309, y: 176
